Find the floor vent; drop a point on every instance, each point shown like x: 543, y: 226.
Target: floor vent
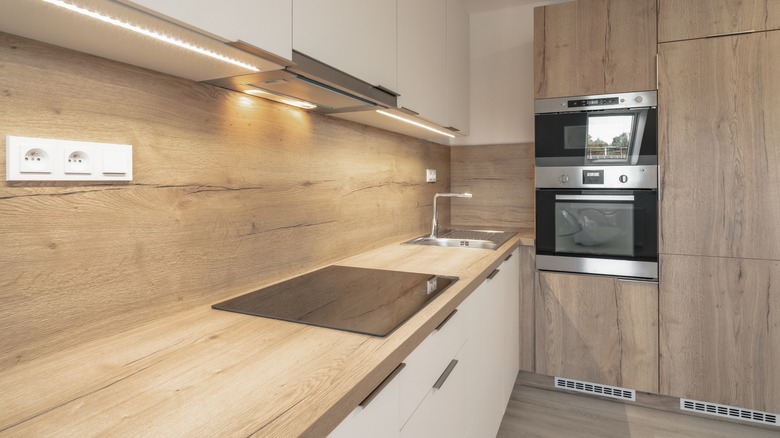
x: 595, y: 388
x: 732, y: 412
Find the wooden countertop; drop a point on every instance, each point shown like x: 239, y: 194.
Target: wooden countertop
x: 210, y: 373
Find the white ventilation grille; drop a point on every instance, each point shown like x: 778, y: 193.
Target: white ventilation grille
x: 732, y: 412
x: 595, y: 388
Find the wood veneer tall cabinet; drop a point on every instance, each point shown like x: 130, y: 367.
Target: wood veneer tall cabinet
x: 719, y: 131
x: 597, y: 329
x: 594, y: 47
x: 689, y: 19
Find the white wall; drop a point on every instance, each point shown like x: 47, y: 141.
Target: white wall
x: 502, y: 76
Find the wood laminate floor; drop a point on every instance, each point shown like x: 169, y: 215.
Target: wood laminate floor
x: 535, y: 412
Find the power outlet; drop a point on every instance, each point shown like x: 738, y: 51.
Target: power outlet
x: 430, y: 175
x: 42, y: 159
x: 77, y: 161
x: 35, y: 159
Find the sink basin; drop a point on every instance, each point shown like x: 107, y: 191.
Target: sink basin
x: 479, y: 239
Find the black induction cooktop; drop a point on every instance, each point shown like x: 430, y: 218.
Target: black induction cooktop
x: 369, y: 301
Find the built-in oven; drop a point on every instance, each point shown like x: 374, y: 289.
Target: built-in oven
x: 597, y: 185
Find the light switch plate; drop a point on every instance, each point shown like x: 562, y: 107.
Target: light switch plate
x: 430, y: 175
x: 42, y: 159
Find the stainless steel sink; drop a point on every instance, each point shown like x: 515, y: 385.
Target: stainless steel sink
x: 481, y: 239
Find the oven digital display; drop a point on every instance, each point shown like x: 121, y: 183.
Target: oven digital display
x: 593, y: 176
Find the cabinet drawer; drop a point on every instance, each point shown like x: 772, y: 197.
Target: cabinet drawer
x: 442, y: 413
x: 427, y: 362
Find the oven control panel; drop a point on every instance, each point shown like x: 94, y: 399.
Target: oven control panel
x: 612, y: 177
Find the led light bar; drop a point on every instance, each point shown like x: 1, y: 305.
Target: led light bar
x: 152, y: 34
x: 414, y: 123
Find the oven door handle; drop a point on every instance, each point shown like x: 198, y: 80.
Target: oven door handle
x: 608, y: 198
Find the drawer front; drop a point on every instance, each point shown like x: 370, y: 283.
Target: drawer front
x: 428, y: 361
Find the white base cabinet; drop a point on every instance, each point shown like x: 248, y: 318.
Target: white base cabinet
x: 457, y: 382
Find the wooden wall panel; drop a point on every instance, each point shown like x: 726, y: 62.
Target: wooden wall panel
x: 501, y: 178
x: 230, y: 192
x: 720, y: 330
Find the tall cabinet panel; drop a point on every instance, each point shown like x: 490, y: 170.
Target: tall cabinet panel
x: 594, y: 47
x: 688, y: 19
x: 719, y: 131
x: 597, y: 329
x: 720, y: 330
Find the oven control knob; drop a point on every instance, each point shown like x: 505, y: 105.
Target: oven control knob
x: 563, y: 179
x: 623, y: 179
x: 638, y: 99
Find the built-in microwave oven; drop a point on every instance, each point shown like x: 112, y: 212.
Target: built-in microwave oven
x: 597, y: 184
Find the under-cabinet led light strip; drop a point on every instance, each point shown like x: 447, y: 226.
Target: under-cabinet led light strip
x: 414, y: 123
x: 149, y: 33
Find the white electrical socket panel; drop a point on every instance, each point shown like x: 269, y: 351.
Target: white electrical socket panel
x: 430, y: 175
x: 41, y: 159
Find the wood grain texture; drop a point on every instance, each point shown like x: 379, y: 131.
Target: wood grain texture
x: 229, y: 193
x: 594, y: 47
x: 719, y: 127
x: 545, y: 413
x: 720, y: 330
x: 527, y: 309
x: 501, y: 178
x: 597, y: 329
x: 204, y: 372
x: 688, y: 19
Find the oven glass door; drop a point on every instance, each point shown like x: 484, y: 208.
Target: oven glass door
x: 614, y: 224
x: 616, y: 137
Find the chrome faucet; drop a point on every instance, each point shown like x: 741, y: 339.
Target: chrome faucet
x: 435, y: 229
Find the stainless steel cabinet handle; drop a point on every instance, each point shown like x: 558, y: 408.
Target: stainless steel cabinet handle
x: 509, y: 256
x: 594, y: 197
x: 382, y: 385
x: 493, y: 274
x: 446, y: 320
x: 445, y: 374
x: 715, y: 35
x: 634, y: 280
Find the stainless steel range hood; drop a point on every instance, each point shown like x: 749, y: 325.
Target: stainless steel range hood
x: 311, y: 84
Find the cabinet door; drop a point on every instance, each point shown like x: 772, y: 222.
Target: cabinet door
x: 422, y: 58
x: 720, y: 330
x: 594, y: 47
x: 379, y: 418
x: 485, y: 353
x: 442, y: 413
x: 688, y: 19
x: 509, y: 283
x: 597, y: 329
x: 354, y: 36
x: 264, y: 24
x: 458, y: 66
x: 719, y: 130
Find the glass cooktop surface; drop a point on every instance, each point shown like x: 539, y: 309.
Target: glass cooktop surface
x: 369, y: 301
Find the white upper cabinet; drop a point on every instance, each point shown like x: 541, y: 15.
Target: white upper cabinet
x: 458, y: 66
x: 262, y: 24
x: 422, y: 58
x: 355, y: 36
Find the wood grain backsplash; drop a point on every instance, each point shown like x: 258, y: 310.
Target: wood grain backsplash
x: 501, y: 178
x: 230, y: 193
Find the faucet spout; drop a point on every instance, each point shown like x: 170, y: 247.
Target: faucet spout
x: 435, y: 227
